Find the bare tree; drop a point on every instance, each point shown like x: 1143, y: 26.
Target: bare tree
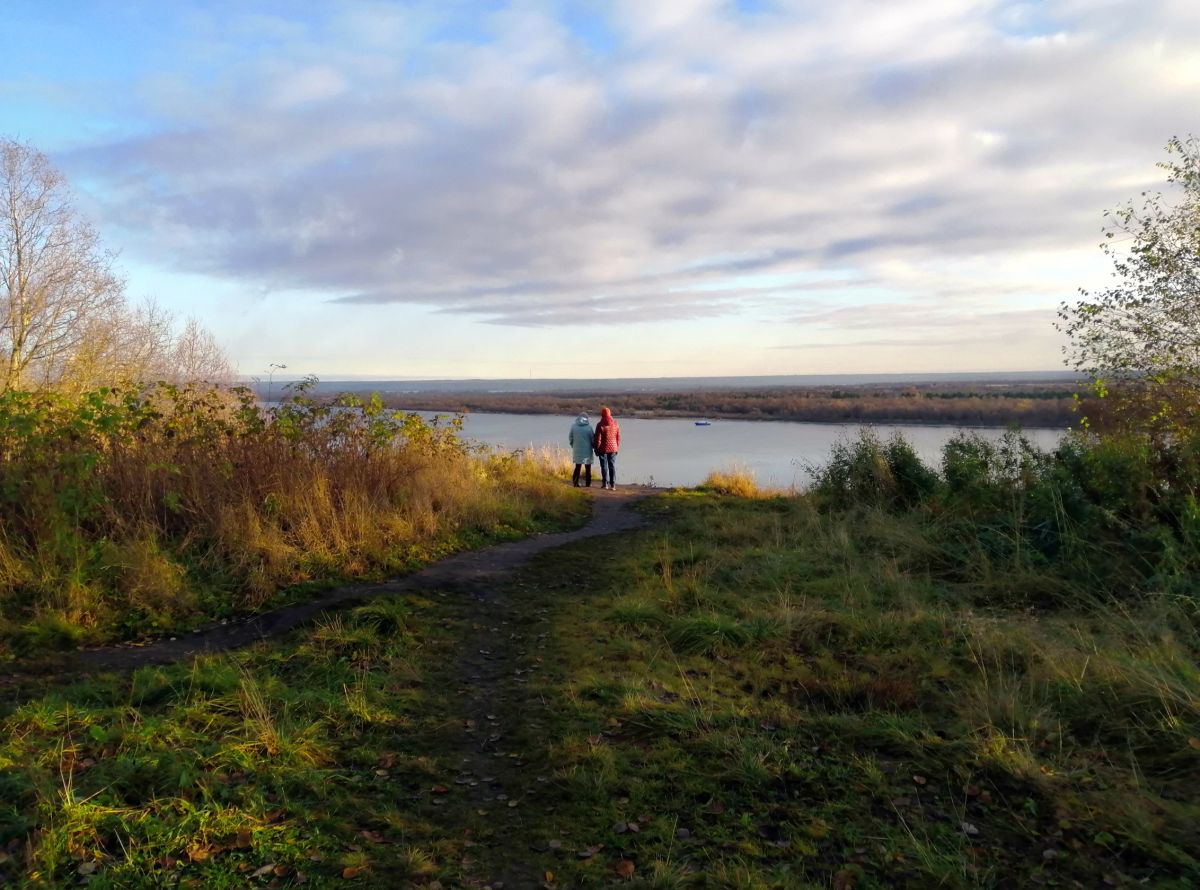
x: 195, y: 355
x: 64, y: 319
x: 122, y: 344
x: 57, y: 283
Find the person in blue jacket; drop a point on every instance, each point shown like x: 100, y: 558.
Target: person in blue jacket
x: 580, y: 439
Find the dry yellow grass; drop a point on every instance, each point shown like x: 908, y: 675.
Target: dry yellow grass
x: 737, y: 480
x: 152, y: 511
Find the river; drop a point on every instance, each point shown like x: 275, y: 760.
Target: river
x: 670, y: 451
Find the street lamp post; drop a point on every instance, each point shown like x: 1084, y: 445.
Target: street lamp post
x: 270, y: 377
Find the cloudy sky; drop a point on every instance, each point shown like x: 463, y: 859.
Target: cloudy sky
x: 626, y: 188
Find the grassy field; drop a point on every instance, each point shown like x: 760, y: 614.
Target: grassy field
x: 754, y: 692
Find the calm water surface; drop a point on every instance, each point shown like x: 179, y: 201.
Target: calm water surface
x: 673, y: 451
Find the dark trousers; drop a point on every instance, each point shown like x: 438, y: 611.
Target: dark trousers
x: 608, y: 468
x: 587, y: 474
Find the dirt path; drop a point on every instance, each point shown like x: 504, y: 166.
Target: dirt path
x: 498, y: 720
x: 470, y: 571
x: 499, y: 778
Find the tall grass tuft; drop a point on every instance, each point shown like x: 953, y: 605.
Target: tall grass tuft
x: 736, y: 480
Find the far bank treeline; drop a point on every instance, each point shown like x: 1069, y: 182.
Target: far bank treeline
x: 1042, y: 405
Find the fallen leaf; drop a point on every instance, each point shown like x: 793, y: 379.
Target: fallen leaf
x: 625, y: 868
x: 440, y: 789
x: 1194, y: 743
x: 373, y: 836
x: 843, y: 880
x: 264, y: 870
x: 86, y: 868
x: 388, y: 760
x: 244, y: 839
x: 549, y: 877
x: 272, y: 815
x: 197, y: 852
x: 353, y: 871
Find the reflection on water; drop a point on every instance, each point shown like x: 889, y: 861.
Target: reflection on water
x: 677, y: 452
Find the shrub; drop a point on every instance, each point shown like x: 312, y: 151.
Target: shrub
x: 868, y: 472
x: 131, y: 509
x: 1114, y: 515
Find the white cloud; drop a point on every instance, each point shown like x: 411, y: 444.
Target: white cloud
x: 507, y: 172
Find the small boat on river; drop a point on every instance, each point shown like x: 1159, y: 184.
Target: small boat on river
x: 703, y: 423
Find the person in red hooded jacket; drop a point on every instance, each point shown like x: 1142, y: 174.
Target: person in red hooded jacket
x: 607, y: 442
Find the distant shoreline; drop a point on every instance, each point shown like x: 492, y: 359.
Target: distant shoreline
x: 907, y: 421
x: 545, y: 385
x: 1027, y: 405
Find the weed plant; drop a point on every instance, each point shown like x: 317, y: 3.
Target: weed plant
x: 126, y: 512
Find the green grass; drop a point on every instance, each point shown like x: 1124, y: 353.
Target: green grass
x: 313, y: 758
x: 750, y: 694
